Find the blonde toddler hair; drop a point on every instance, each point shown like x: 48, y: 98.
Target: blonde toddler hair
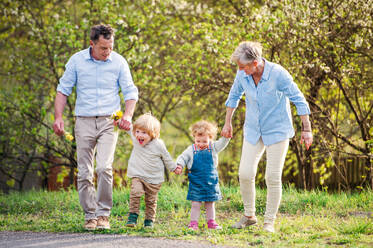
x: 204, y: 127
x: 149, y: 124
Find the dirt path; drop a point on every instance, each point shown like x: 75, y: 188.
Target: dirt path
x: 88, y: 240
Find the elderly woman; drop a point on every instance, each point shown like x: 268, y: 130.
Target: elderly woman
x: 268, y: 87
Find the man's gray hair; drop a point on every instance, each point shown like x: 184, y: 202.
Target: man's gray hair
x: 246, y: 52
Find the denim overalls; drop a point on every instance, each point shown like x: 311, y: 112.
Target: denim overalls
x: 203, y: 177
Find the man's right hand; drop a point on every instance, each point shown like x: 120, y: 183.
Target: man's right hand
x: 58, y: 127
x: 59, y: 105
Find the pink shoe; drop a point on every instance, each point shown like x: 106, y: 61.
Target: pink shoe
x: 193, y: 225
x: 211, y: 224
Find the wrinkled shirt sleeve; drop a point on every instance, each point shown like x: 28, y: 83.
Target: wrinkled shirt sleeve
x: 235, y: 92
x: 129, y: 90
x: 69, y: 78
x: 291, y: 90
x: 166, y: 157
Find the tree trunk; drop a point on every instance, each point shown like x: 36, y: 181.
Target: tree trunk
x: 71, y: 175
x: 369, y: 172
x: 308, y: 171
x: 301, y: 181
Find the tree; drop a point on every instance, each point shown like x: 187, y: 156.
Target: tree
x: 179, y: 53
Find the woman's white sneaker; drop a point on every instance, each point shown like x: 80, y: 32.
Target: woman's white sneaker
x: 269, y: 227
x: 245, y: 222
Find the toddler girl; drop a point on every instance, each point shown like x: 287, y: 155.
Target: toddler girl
x: 146, y: 168
x: 201, y: 159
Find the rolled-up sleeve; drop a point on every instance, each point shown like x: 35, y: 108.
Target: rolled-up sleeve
x: 68, y: 80
x: 235, y: 93
x: 129, y: 90
x: 291, y: 90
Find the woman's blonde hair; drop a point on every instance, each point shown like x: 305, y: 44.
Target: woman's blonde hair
x: 204, y: 127
x: 149, y: 124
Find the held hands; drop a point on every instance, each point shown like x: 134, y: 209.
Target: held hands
x: 124, y: 123
x: 227, y: 130
x: 306, y: 138
x: 178, y: 170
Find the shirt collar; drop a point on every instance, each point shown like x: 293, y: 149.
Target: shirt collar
x: 87, y: 55
x: 267, y: 69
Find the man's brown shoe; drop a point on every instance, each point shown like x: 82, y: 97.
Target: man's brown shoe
x: 90, y: 225
x: 103, y: 222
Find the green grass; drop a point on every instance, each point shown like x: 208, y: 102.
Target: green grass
x: 305, y: 219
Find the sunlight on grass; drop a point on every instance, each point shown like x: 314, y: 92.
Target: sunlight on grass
x: 305, y: 219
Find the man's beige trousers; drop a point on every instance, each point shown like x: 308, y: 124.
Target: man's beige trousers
x: 95, y: 137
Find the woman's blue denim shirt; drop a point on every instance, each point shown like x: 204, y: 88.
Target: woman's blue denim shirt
x: 268, y: 113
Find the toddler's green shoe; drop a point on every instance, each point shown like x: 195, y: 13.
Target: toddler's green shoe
x: 132, y: 220
x: 148, y: 224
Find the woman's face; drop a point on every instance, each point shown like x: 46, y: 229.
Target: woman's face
x: 249, y: 68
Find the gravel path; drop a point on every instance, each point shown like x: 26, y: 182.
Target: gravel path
x: 83, y: 240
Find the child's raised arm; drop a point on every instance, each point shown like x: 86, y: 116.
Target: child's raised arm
x: 221, y: 144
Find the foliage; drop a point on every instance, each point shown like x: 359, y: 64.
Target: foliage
x: 179, y: 53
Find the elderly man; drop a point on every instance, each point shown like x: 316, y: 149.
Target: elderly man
x: 98, y: 73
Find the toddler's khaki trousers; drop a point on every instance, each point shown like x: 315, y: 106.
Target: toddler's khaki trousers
x: 138, y: 188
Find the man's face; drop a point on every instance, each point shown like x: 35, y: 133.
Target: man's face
x: 247, y: 68
x: 142, y: 137
x: 102, y: 48
x: 202, y: 141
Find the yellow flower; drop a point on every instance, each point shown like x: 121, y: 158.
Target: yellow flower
x: 68, y: 136
x: 117, y: 115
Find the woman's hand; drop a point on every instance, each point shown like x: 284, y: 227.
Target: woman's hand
x: 227, y: 130
x: 306, y: 138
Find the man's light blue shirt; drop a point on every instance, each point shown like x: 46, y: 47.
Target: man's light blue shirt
x: 268, y: 113
x: 97, y: 83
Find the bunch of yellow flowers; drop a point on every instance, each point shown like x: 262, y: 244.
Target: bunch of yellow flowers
x: 68, y: 136
x: 117, y: 115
